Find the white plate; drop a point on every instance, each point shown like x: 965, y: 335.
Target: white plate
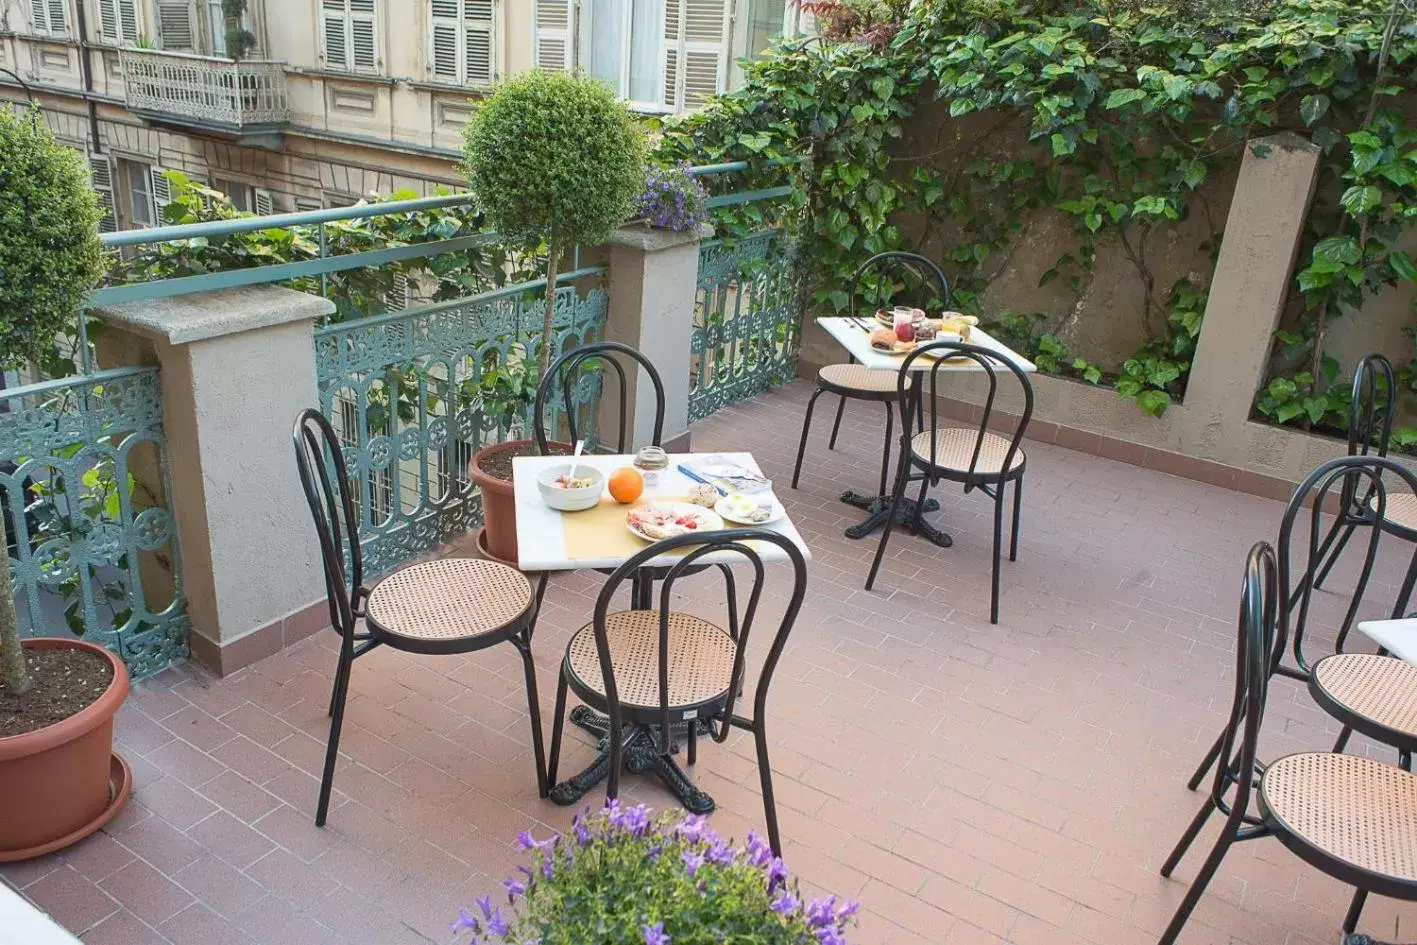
x: 776, y: 514
x: 709, y: 519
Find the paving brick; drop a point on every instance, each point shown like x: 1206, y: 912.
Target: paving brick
x: 970, y: 783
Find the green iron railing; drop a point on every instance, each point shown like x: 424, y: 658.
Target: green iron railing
x: 85, y: 483
x: 402, y: 391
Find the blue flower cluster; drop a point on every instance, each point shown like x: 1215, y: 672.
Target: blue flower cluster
x: 704, y: 857
x: 673, y: 199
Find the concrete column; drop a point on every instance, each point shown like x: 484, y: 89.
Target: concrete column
x: 654, y: 276
x: 1252, y: 278
x: 237, y: 365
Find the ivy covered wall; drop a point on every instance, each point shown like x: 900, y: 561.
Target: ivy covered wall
x: 1095, y: 140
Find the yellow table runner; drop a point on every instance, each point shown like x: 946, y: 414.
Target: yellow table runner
x: 600, y: 532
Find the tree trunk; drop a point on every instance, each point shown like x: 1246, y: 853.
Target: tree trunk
x: 13, y: 673
x: 553, y: 253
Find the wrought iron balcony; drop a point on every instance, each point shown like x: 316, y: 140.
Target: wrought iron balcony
x: 246, y: 97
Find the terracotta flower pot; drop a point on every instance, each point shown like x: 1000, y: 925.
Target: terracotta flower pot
x: 60, y: 783
x: 499, y: 512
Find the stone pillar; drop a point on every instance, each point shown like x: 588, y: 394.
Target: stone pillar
x: 654, y: 276
x: 1252, y: 279
x: 237, y: 365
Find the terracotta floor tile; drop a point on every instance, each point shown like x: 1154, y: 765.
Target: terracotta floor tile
x: 970, y: 783
x: 72, y: 900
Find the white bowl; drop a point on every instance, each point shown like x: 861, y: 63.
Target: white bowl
x: 571, y: 500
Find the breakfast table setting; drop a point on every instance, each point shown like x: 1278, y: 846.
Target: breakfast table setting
x: 882, y: 342
x: 597, y: 511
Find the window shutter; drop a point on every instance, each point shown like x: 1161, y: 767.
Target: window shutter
x: 101, y: 173
x: 443, y: 48
x: 400, y: 296
x: 175, y: 19
x: 108, y: 19
x: 695, y: 50
x: 362, y: 34
x: 480, y: 28
x: 265, y: 203
x: 58, y: 20
x: 336, y: 25
x: 555, y: 27
x: 128, y: 20
x: 162, y: 194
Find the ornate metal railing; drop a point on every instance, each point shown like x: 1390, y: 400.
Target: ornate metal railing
x: 84, y: 486
x: 747, y: 328
x: 402, y: 392
x: 205, y: 90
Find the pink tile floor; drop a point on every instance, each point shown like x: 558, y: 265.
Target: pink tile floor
x: 968, y: 783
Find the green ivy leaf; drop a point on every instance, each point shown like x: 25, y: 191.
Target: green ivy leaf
x: 1315, y: 407
x: 1195, y: 174
x: 1154, y: 402
x: 1287, y: 412
x: 1338, y: 249
x: 1062, y: 145
x: 1403, y: 265
x: 1359, y: 200
x: 1120, y: 98
x: 1281, y: 388
x: 883, y: 86
x: 1312, y: 108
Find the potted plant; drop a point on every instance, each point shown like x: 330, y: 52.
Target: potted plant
x: 625, y: 875
x: 503, y: 395
x: 59, y: 778
x: 555, y: 160
x: 673, y: 199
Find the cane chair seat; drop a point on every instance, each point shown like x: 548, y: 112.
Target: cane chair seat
x: 1355, y: 810
x: 954, y: 448
x: 700, y: 659
x: 1401, y: 509
x: 1375, y: 694
x: 449, y: 599
x: 860, y: 379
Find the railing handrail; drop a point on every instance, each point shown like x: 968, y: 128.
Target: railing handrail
x: 73, y: 380
x: 280, y: 221
x: 174, y: 54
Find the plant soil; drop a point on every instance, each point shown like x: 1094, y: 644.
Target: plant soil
x: 65, y: 682
x: 499, y: 464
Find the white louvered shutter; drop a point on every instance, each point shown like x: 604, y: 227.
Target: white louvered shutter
x: 118, y: 20
x: 176, y: 24
x: 101, y: 173
x: 48, y: 16
x: 128, y: 20
x: 555, y: 31
x: 108, y: 19
x: 400, y: 296
x: 162, y: 194
x: 461, y: 41
x: 265, y: 203
x: 363, y: 44
x: 696, y: 36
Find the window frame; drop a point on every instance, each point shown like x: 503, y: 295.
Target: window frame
x: 126, y: 169
x: 120, y: 38
x: 47, y: 9
x: 464, y: 26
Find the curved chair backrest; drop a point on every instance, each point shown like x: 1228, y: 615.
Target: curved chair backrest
x: 735, y: 544
x: 989, y: 361
x: 567, y: 369
x: 1370, y: 416
x: 1255, y: 650
x: 886, y: 274
x: 325, y: 478
x: 1375, y: 476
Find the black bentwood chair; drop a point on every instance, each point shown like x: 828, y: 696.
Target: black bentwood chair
x: 1352, y: 818
x: 1372, y: 694
x: 450, y: 605
x: 882, y: 276
x: 568, y: 371
x: 975, y: 457
x: 659, y: 672
x: 1370, y: 417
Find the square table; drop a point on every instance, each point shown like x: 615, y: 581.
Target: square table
x: 854, y: 334
x: 549, y: 540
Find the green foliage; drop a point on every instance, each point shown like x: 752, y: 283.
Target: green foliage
x: 1112, y: 113
x: 50, y: 255
x: 357, y: 293
x: 554, y: 157
x: 624, y: 875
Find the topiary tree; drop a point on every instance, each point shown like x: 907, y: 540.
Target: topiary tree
x: 554, y: 158
x: 50, y: 257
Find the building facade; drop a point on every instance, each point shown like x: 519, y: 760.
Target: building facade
x: 337, y: 99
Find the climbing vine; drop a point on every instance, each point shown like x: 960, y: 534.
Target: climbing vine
x: 1120, y: 119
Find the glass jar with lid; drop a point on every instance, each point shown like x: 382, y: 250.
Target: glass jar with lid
x: 652, y: 462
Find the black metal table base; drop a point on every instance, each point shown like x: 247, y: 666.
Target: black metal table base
x: 910, y: 515
x: 642, y: 756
